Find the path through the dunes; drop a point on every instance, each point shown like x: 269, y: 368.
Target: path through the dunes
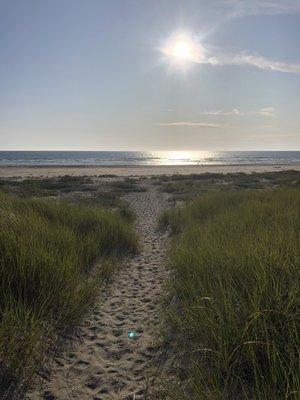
x: 105, y: 362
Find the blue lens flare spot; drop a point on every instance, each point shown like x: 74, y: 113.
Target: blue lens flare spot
x: 132, y: 335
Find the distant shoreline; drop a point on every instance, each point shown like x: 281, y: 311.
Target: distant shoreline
x: 137, y: 170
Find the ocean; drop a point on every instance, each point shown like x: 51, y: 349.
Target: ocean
x: 146, y: 158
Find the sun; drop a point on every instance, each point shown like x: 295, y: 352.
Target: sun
x: 182, y: 50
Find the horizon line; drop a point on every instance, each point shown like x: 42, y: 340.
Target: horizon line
x: 149, y: 151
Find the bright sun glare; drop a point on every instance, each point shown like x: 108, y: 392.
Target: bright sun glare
x: 182, y: 50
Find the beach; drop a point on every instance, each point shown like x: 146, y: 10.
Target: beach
x: 118, y: 350
x: 123, y: 171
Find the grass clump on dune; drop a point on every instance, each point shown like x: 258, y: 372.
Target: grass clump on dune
x: 236, y: 295
x: 47, y: 250
x: 186, y: 187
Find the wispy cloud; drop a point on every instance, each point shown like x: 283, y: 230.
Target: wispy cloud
x: 235, y: 111
x: 240, y: 8
x: 251, y: 60
x: 266, y: 112
x: 261, y: 63
x: 189, y: 123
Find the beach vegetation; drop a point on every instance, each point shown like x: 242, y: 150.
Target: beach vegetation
x: 233, y: 310
x: 54, y: 255
x: 186, y: 187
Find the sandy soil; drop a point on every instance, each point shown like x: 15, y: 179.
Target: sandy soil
x: 6, y: 172
x: 104, y: 363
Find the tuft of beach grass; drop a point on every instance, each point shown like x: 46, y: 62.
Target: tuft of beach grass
x: 47, y: 250
x: 234, y: 314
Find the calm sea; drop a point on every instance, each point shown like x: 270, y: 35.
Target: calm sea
x: 127, y: 158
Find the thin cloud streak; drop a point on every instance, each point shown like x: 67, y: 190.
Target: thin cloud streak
x: 265, y: 63
x: 266, y: 112
x: 191, y: 124
x: 242, y: 8
x: 251, y: 60
x: 235, y: 111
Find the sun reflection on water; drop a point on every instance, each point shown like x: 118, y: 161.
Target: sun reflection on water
x: 183, y: 157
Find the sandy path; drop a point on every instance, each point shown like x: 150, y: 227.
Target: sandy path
x: 105, y: 363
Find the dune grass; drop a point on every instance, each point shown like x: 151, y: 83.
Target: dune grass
x: 47, y: 250
x: 128, y: 185
x: 186, y: 187
x: 234, y: 317
x: 47, y: 186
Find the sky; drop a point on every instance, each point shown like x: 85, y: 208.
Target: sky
x: 150, y: 75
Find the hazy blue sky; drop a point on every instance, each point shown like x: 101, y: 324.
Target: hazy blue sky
x: 94, y: 75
